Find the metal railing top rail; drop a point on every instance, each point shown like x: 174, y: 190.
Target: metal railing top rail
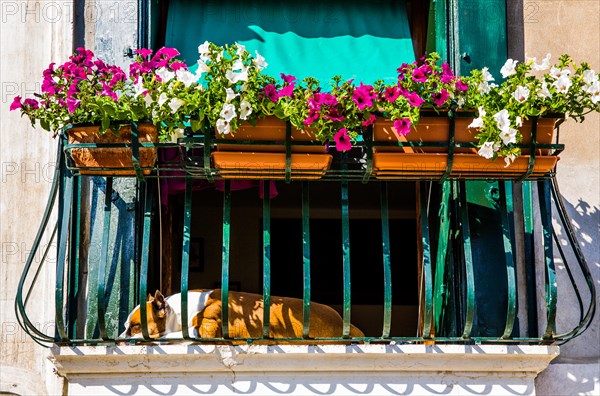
x: 66, y: 181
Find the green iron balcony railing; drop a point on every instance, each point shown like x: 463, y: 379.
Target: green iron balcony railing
x: 448, y: 299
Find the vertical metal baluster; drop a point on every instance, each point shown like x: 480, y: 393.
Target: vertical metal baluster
x: 64, y: 211
x: 468, y: 256
x: 266, y: 258
x: 532, y: 321
x: 346, y: 258
x: 73, y: 276
x: 185, y: 256
x: 103, y: 259
x: 225, y: 259
x: 440, y: 262
x: 144, y: 264
x: 306, y: 259
x: 387, y: 270
x: 506, y: 211
x: 427, y: 271
x: 546, y: 213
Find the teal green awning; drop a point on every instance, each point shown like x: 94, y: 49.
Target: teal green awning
x: 355, y: 39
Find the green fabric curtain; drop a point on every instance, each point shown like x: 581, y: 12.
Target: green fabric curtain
x: 366, y: 41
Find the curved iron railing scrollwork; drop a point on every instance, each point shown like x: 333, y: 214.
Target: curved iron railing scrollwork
x: 452, y: 192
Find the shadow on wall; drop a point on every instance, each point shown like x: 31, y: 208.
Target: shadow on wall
x: 569, y: 379
x: 585, y: 221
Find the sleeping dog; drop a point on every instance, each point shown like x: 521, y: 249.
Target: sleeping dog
x: 245, y: 317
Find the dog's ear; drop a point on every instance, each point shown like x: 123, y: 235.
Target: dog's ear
x: 159, y: 304
x: 150, y: 298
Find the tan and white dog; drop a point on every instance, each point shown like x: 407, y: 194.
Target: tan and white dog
x: 245, y: 317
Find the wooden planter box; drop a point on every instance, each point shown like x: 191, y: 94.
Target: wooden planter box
x: 260, y: 161
x: 113, y: 161
x: 417, y: 161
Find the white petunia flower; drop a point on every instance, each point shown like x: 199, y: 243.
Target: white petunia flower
x: 487, y: 76
x: 509, y: 136
x: 487, y: 150
x: 148, y: 100
x: 203, y: 50
x: 521, y: 94
x: 483, y: 87
x: 176, y: 134
x: 230, y: 95
x: 519, y: 121
x: 509, y: 68
x: 223, y: 126
x: 234, y: 78
x: 175, y: 104
x: 162, y: 99
x: 186, y: 77
x: 477, y: 123
x: 556, y: 73
x: 502, y: 120
x: 590, y: 77
x: 240, y: 49
x: 544, y: 92
x: 545, y: 65
x: 139, y: 89
x: 562, y: 84
x: 509, y: 159
x: 237, y: 65
x: 202, y: 67
x: 228, y: 112
x: 260, y: 61
x: 245, y: 109
x: 594, y: 91
x: 165, y: 74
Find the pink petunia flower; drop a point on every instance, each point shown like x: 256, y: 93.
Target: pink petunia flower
x: 31, y: 103
x: 144, y: 52
x: 420, y: 74
x: 288, y: 79
x: 178, y: 65
x: 391, y: 94
x: 461, y: 86
x: 334, y: 115
x: 271, y: 92
x: 439, y: 98
x: 288, y: 91
x: 342, y: 140
x: 414, y: 99
x: 402, y: 126
x: 16, y: 103
x: 369, y: 121
x: 313, y: 116
x: 73, y: 104
x: 363, y: 96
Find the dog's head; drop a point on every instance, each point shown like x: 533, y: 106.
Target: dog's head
x: 158, y: 313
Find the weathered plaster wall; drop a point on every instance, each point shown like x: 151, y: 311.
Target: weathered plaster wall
x: 32, y: 34
x: 573, y: 27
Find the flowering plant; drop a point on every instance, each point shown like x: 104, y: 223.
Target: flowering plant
x: 422, y: 84
x: 236, y: 90
x: 336, y: 116
x: 83, y: 90
x: 527, y: 92
x: 168, y: 88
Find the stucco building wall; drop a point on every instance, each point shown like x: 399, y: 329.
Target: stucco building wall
x: 573, y: 27
x: 32, y: 34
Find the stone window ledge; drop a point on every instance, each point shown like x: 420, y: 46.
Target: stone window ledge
x: 303, y: 369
